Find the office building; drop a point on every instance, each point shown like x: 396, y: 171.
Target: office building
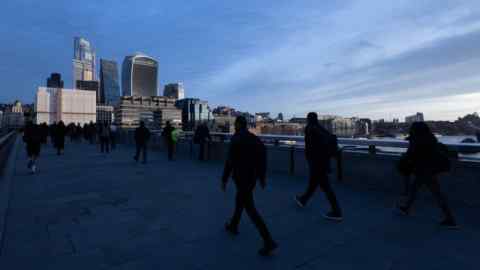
x: 155, y: 111
x: 174, y: 90
x: 67, y: 105
x: 139, y: 76
x: 418, y: 117
x: 93, y: 86
x: 194, y: 111
x: 84, y: 60
x: 105, y: 114
x: 55, y: 81
x: 109, y: 84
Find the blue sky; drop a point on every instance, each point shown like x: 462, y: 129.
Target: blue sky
x: 367, y: 58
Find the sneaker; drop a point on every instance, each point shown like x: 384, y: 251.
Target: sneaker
x: 230, y: 229
x: 268, y: 249
x: 333, y: 216
x: 449, y: 224
x: 34, y: 168
x: 401, y: 210
x: 299, y: 201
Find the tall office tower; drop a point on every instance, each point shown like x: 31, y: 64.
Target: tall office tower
x: 174, y: 90
x: 55, y: 81
x: 83, y: 61
x: 109, y: 85
x: 139, y: 76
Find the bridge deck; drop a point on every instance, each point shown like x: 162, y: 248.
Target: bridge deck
x: 87, y: 210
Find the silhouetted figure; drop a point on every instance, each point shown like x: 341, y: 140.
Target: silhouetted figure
x: 113, y: 136
x: 320, y: 147
x: 169, y: 141
x: 92, y: 133
x: 246, y: 162
x: 142, y: 135
x: 52, y: 130
x: 202, y: 134
x: 104, y: 134
x: 425, y: 159
x: 32, y: 137
x: 60, y: 132
x: 44, y: 132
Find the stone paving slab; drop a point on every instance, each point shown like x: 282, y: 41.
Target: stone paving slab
x: 87, y: 210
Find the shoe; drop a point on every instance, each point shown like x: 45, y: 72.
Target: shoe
x: 230, y: 229
x: 34, y: 168
x: 299, y: 201
x: 268, y: 249
x: 449, y: 224
x: 333, y: 216
x: 401, y: 210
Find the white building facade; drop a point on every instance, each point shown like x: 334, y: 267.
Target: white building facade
x: 70, y: 106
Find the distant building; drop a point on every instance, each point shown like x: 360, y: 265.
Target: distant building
x: 139, y: 76
x: 299, y: 120
x: 156, y: 110
x: 105, y: 114
x: 93, y: 86
x: 418, y: 117
x: 67, y: 105
x: 55, y: 81
x: 194, y: 111
x: 174, y: 90
x: 262, y: 117
x: 13, y: 118
x: 109, y: 83
x: 280, y: 117
x: 224, y: 123
x: 84, y: 61
x: 1, y: 119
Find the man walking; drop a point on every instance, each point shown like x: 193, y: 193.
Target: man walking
x: 32, y: 137
x: 168, y: 136
x: 246, y: 162
x: 320, y: 146
x: 202, y: 134
x: 104, y: 138
x: 142, y: 135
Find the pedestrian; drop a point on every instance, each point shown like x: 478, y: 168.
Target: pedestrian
x: 32, y: 137
x: 92, y: 133
x: 60, y: 132
x: 113, y: 136
x: 202, y: 134
x: 44, y: 132
x: 104, y: 134
x: 142, y: 135
x: 320, y: 147
x: 425, y: 159
x: 168, y: 137
x: 246, y: 163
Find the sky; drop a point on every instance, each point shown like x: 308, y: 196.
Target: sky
x: 364, y: 58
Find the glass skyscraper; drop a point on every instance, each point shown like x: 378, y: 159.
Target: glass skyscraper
x: 84, y: 60
x: 109, y: 85
x: 139, y: 76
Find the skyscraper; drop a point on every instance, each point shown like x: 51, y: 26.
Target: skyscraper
x: 83, y: 61
x: 109, y: 85
x: 55, y: 81
x: 139, y: 76
x: 174, y: 90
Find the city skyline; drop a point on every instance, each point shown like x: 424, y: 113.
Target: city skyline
x: 324, y: 57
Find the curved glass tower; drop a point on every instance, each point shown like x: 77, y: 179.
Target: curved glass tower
x: 139, y: 76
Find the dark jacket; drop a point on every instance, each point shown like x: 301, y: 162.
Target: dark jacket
x: 60, y: 132
x: 422, y: 155
x: 142, y: 135
x: 32, y: 135
x: 167, y: 134
x: 316, y: 147
x: 246, y: 161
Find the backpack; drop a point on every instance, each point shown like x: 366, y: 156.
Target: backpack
x: 332, y: 145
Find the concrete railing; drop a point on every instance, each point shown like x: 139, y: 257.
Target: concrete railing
x: 6, y: 143
x: 357, y: 168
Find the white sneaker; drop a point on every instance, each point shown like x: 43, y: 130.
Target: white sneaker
x: 34, y: 168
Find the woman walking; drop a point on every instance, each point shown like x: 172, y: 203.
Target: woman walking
x: 32, y: 137
x: 425, y: 159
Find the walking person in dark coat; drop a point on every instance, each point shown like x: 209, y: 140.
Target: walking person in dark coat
x: 202, y: 134
x: 167, y: 135
x: 246, y: 162
x: 142, y: 135
x: 60, y: 132
x: 426, y: 160
x: 104, y: 135
x: 320, y: 146
x: 32, y: 137
x: 44, y: 132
